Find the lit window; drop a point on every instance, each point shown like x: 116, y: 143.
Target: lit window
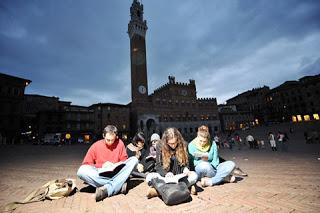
x: 316, y: 116
x: 299, y: 118
x: 306, y: 117
x: 294, y: 118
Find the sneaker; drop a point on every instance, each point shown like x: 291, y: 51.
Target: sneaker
x: 193, y: 190
x: 230, y: 179
x: 205, y: 182
x: 238, y: 172
x: 152, y: 192
x: 124, y: 188
x: 101, y: 193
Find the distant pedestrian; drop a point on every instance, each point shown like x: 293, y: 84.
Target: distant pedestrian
x: 272, y: 141
x: 231, y: 142
x: 250, y: 140
x: 217, y: 140
x: 261, y: 144
x: 283, y: 140
x: 238, y: 141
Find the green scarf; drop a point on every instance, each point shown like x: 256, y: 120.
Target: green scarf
x: 204, y: 148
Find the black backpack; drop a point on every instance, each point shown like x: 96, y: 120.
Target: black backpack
x: 171, y: 193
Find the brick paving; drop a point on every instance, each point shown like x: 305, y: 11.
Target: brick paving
x: 277, y: 182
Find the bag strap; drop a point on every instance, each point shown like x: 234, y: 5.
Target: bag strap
x: 35, y: 196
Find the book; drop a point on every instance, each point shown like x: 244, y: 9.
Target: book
x: 174, y: 179
x: 111, y: 170
x: 201, y: 154
x: 148, y: 158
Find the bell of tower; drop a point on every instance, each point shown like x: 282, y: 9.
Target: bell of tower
x: 137, y: 29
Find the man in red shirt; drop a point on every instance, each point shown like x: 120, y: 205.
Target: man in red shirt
x: 102, y: 153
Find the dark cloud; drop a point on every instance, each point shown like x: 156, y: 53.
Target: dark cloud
x: 79, y: 50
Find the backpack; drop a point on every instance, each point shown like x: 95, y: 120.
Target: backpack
x: 52, y: 190
x: 171, y: 193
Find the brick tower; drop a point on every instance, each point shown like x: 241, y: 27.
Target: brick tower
x: 137, y: 29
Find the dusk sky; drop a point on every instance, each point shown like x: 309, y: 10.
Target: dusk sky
x: 79, y: 50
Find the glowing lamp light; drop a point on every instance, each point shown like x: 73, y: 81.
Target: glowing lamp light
x: 86, y: 137
x: 68, y: 136
x: 125, y: 136
x: 316, y: 116
x: 294, y: 118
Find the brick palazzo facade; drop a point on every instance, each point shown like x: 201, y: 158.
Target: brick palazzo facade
x: 174, y: 104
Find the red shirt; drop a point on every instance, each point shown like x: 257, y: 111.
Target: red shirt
x: 99, y: 153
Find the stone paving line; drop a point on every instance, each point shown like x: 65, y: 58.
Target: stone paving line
x: 277, y: 182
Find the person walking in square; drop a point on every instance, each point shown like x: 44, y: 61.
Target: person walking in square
x: 104, y: 153
x: 272, y: 141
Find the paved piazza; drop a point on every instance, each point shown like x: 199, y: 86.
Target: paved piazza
x: 277, y: 182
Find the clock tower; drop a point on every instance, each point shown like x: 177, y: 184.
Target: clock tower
x: 137, y: 29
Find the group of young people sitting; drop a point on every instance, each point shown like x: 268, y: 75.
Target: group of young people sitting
x: 165, y: 158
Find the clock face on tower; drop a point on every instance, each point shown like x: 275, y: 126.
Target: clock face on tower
x: 142, y: 89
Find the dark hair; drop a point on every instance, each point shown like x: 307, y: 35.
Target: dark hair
x: 138, y: 137
x: 110, y: 129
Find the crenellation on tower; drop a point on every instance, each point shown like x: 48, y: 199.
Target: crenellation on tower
x: 172, y: 104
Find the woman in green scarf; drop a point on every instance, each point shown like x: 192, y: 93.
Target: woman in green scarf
x: 204, y: 155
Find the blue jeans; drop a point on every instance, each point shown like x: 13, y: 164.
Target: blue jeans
x: 90, y: 175
x: 205, y: 169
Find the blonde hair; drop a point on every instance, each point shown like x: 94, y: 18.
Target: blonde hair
x: 181, y: 149
x: 203, y: 131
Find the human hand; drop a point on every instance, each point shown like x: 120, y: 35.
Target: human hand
x: 186, y: 171
x: 140, y: 167
x: 169, y: 174
x: 204, y: 158
x: 106, y: 164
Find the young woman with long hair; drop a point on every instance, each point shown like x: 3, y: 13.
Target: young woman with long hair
x: 204, y: 156
x: 172, y: 159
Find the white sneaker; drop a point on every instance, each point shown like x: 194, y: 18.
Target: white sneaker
x: 230, y: 179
